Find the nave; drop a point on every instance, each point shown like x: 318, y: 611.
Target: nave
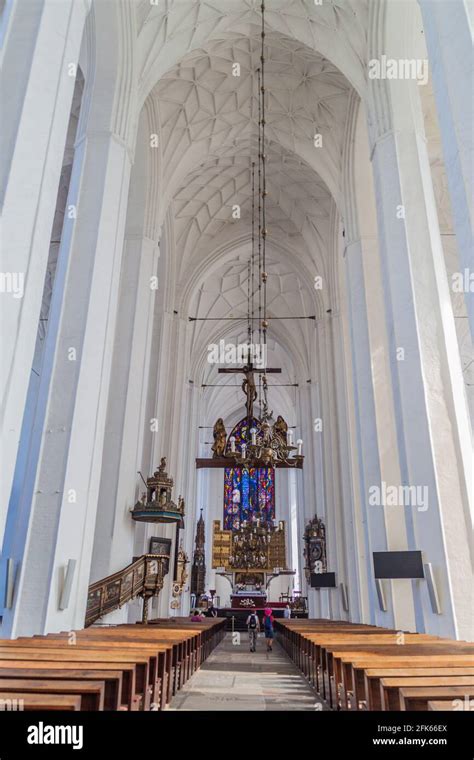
x: 237, y: 370
x: 232, y: 678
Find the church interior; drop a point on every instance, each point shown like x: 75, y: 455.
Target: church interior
x: 237, y: 367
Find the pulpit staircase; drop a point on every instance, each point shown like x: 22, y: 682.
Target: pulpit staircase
x: 142, y: 578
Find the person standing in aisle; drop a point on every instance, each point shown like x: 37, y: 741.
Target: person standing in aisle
x: 268, y: 628
x: 253, y: 626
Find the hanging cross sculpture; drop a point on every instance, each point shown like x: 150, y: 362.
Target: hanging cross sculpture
x: 248, y: 384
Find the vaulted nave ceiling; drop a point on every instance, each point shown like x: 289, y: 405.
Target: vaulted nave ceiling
x: 202, y: 105
x: 224, y: 294
x: 169, y: 30
x: 208, y: 127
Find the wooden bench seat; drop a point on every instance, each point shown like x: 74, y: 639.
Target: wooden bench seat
x: 390, y: 687
x: 175, y: 653
x: 336, y: 657
x: 129, y: 698
x: 85, y: 657
x: 332, y: 677
x: 30, y: 701
x: 112, y: 680
x: 99, y: 650
x: 372, y: 679
x: 353, y: 668
x: 440, y: 705
x: 91, y: 693
x: 136, y: 666
x: 417, y: 697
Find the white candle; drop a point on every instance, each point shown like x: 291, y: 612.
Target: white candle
x: 244, y: 450
x: 300, y: 447
x: 289, y: 438
x: 253, y: 433
x: 232, y: 444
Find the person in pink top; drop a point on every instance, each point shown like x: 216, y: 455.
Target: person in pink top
x: 268, y: 627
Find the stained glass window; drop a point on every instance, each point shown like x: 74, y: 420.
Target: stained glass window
x: 249, y: 493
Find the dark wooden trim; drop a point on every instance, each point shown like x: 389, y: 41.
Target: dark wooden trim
x: 222, y: 462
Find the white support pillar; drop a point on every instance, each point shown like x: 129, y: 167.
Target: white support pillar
x: 75, y: 382
x: 375, y: 536
x: 448, y: 33
x: 171, y: 406
x: 42, y: 42
x: 188, y: 476
x: 126, y: 413
x: 347, y: 568
x: 433, y: 433
x: 305, y: 487
x: 369, y: 469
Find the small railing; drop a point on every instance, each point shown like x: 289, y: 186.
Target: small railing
x: 143, y: 577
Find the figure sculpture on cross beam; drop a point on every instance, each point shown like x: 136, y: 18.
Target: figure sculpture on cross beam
x: 248, y: 387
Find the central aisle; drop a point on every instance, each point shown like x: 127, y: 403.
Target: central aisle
x: 233, y: 678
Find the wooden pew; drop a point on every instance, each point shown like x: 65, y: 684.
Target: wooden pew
x: 173, y: 646
x: 98, y: 651
x: 326, y: 680
x: 129, y: 698
x: 331, y: 663
x: 31, y: 701
x: 390, y: 687
x: 335, y: 656
x: 132, y: 664
x: 91, y: 693
x: 353, y: 668
x: 112, y: 680
x: 83, y: 658
x: 162, y: 654
x: 417, y: 697
x: 440, y: 705
x: 372, y: 679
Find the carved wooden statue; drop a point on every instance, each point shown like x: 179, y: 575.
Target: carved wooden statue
x: 220, y: 439
x: 281, y: 428
x: 248, y: 387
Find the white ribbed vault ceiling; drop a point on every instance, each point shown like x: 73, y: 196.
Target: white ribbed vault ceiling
x: 208, y: 122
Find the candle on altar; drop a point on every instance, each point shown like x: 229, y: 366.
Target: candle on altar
x: 244, y: 450
x: 253, y: 433
x: 289, y: 438
x: 300, y: 447
x: 232, y: 444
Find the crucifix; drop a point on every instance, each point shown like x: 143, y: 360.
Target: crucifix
x: 249, y: 388
x: 248, y: 384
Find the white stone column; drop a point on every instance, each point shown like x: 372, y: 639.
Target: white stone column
x: 448, y: 33
x: 171, y: 407
x: 119, y: 485
x: 189, y: 478
x: 347, y: 544
x: 75, y: 383
x: 305, y: 491
x: 42, y: 40
x: 369, y: 475
x: 433, y: 436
